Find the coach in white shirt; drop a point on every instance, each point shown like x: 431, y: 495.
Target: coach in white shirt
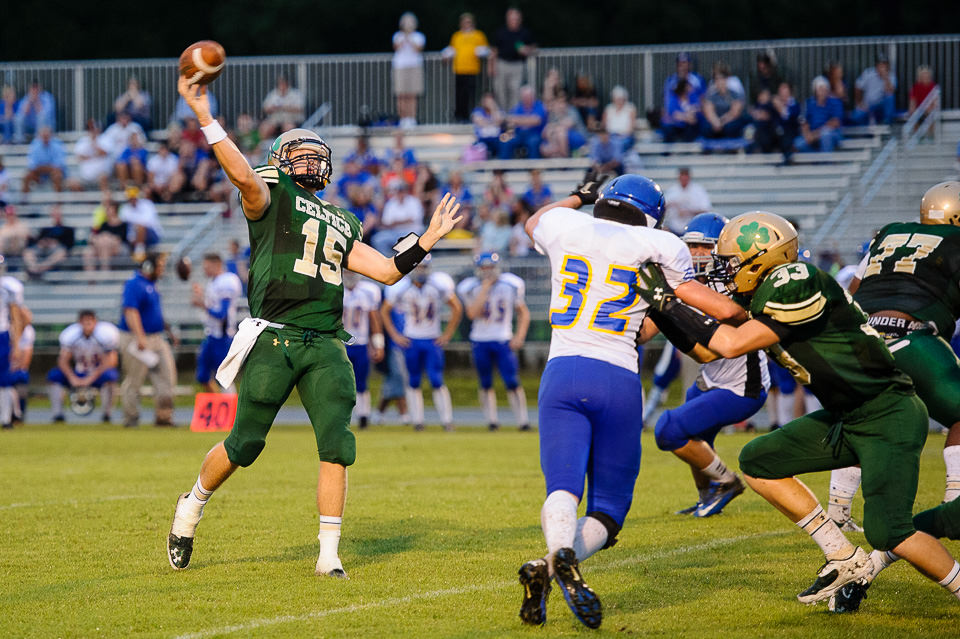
x: 684, y: 200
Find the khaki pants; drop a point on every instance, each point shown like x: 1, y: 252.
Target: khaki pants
x: 135, y: 372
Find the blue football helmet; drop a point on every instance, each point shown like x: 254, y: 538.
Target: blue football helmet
x: 631, y: 199
x: 703, y: 229
x: 487, y: 258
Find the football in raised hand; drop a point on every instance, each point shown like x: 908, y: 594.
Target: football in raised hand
x: 202, y: 62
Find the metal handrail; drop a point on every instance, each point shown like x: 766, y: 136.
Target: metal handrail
x: 913, y: 129
x: 199, y: 231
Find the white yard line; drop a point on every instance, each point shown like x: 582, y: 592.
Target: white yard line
x: 73, y: 502
x: 437, y: 594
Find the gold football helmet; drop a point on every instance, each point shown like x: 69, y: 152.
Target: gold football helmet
x: 941, y: 204
x: 750, y: 246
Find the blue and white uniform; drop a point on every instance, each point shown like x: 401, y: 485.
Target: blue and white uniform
x: 421, y: 307
x: 11, y: 294
x: 491, y: 332
x: 220, y: 299
x: 590, y: 399
x: 358, y: 302
x: 87, y: 352
x: 27, y: 339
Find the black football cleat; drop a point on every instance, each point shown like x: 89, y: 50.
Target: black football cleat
x: 582, y: 600
x: 848, y: 597
x: 535, y: 579
x: 179, y: 550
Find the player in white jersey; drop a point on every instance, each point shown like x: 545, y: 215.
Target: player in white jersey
x: 590, y: 401
x: 727, y: 391
x: 14, y: 316
x: 219, y: 303
x: 490, y: 298
x: 361, y: 318
x: 421, y: 297
x: 20, y: 372
x: 88, y: 359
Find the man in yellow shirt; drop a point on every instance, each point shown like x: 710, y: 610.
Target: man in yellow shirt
x: 466, y: 48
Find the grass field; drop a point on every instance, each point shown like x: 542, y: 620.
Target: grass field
x: 436, y: 526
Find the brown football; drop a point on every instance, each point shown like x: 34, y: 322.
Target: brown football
x: 202, y: 62
x: 183, y: 268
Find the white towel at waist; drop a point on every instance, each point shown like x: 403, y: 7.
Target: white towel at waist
x: 247, y: 334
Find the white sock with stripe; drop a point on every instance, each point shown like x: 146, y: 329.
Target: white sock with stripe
x: 190, y: 510
x: 952, y: 581
x: 57, y: 392
x: 951, y: 457
x: 518, y: 402
x: 106, y: 397
x: 488, y: 402
x: 443, y: 404
x: 826, y: 534
x: 415, y: 405
x: 844, y: 483
x: 329, y: 537
x: 882, y: 559
x: 558, y: 519
x: 363, y: 404
x: 718, y: 471
x: 591, y: 537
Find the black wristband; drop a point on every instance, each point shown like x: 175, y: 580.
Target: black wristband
x: 672, y: 332
x: 692, y: 323
x: 409, y: 253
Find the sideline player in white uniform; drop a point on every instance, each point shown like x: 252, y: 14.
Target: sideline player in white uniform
x: 420, y: 297
x: 88, y: 357
x: 590, y: 401
x: 361, y: 318
x: 727, y: 391
x: 219, y: 303
x: 490, y: 298
x: 20, y: 372
x: 13, y: 317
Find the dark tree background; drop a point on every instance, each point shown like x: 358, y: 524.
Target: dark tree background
x: 130, y: 29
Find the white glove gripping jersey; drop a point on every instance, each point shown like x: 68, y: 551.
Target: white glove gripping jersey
x: 421, y: 305
x: 358, y: 302
x: 495, y: 324
x: 225, y: 287
x: 11, y: 292
x: 88, y: 352
x: 594, y: 311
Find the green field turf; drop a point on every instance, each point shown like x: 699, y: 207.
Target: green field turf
x: 436, y: 526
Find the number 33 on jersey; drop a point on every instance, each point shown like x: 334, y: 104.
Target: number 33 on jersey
x: 297, y: 250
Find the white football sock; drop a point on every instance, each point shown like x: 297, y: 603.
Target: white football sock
x: 827, y: 534
x: 56, y: 393
x: 329, y: 537
x: 810, y: 402
x: 106, y: 398
x: 488, y: 402
x: 15, y: 402
x: 882, y: 559
x: 843, y: 486
x: 190, y: 510
x: 518, y: 402
x: 6, y: 406
x: 558, y: 519
x: 718, y: 471
x: 952, y: 581
x: 653, y: 401
x: 443, y: 404
x: 951, y: 457
x: 415, y: 405
x: 363, y: 404
x: 591, y: 537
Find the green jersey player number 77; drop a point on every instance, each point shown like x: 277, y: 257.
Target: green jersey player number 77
x: 299, y: 245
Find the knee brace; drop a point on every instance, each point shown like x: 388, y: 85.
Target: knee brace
x: 613, y: 528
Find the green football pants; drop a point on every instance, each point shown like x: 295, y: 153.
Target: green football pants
x: 885, y: 436
x: 318, y: 366
x: 935, y: 371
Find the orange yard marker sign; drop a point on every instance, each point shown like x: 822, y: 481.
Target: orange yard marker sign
x: 213, y: 412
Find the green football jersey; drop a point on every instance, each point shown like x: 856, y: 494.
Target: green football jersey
x: 825, y: 341
x: 296, y: 252
x: 914, y: 268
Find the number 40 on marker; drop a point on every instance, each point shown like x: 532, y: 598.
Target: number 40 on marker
x: 213, y: 412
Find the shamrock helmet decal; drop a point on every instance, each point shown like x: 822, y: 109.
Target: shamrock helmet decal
x: 750, y: 246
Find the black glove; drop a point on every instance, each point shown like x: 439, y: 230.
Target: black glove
x: 653, y: 288
x: 589, y: 190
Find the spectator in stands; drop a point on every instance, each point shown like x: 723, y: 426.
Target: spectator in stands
x: 183, y: 113
x: 498, y: 193
x: 247, y: 134
x: 683, y: 201
x: 144, y: 230
x: 684, y: 71
x: 284, y: 108
x: 512, y: 44
x: 495, y: 233
x: 921, y: 89
x: 51, y: 246
x: 564, y: 132
x: 777, y: 120
x: 874, y: 94
x: 164, y: 177
x: 456, y: 187
x: 8, y: 109
x: 131, y: 166
x: 681, y: 116
x: 45, y: 159
x: 360, y: 203
x: 365, y: 157
x: 620, y: 118
x: 4, y: 183
x: 407, y: 63
x: 136, y: 103
x: 116, y: 137
x: 520, y: 242
x: 402, y: 214
x: 14, y: 234
x: 426, y: 187
x: 35, y: 111
x: 467, y: 48
x: 144, y: 351
x: 724, y: 107
x: 108, y: 237
x: 823, y: 114
x: 838, y: 86
x: 353, y: 173
x: 488, y: 120
x: 397, y: 170
x: 538, y: 193
x: 552, y: 87
x: 400, y: 149
x: 766, y: 76
x: 526, y: 121
x: 195, y: 165
x: 585, y: 100
x: 93, y: 160
x: 191, y: 133
x: 606, y: 155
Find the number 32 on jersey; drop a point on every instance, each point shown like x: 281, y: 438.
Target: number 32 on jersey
x: 610, y: 315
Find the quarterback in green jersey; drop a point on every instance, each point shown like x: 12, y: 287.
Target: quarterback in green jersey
x: 299, y: 245
x: 870, y: 414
